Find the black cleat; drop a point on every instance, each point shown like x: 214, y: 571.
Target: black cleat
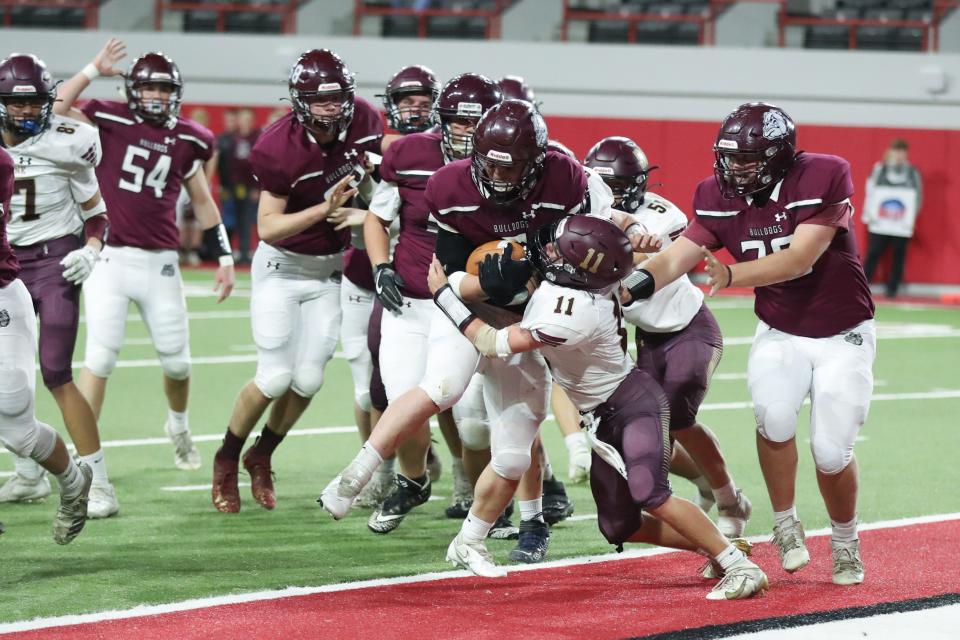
x: 407, y: 495
x: 556, y: 504
x: 532, y: 543
x: 503, y: 528
x: 459, y: 509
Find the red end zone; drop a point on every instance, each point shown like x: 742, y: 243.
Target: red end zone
x: 627, y: 598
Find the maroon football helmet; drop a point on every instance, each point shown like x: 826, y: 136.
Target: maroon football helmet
x: 465, y: 97
x: 624, y: 167
x: 415, y: 80
x: 755, y: 147
x: 582, y: 252
x: 154, y: 69
x: 516, y: 88
x: 24, y: 77
x: 321, y: 75
x: 510, y: 135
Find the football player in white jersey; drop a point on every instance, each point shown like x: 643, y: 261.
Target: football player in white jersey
x: 56, y: 227
x: 678, y: 340
x: 574, y: 319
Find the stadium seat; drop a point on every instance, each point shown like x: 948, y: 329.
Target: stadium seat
x: 827, y: 36
x: 608, y: 31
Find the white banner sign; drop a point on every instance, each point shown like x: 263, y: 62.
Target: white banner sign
x: 891, y: 211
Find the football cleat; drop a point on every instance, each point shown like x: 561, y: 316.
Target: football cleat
x: 20, y: 489
x: 334, y: 501
x: 261, y: 478
x: 225, y: 493
x: 72, y: 512
x: 102, y: 502
x: 732, y: 520
x: 847, y: 565
x: 185, y: 454
x: 789, y: 540
x: 532, y: 543
x: 742, y: 580
x: 503, y: 528
x: 474, y: 557
x: 407, y: 495
x: 704, y: 499
x: 712, y: 570
x: 377, y: 490
x: 434, y: 465
x: 580, y: 458
x: 556, y: 504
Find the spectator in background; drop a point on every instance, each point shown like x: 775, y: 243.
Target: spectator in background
x: 893, y: 198
x: 225, y: 146
x: 191, y: 236
x: 275, y: 115
x: 245, y: 191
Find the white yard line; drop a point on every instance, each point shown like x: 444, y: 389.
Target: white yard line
x: 929, y: 624
x: 203, y: 603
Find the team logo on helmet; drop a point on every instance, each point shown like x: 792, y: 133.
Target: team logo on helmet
x: 774, y: 125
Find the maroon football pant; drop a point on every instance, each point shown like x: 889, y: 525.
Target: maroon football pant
x: 378, y: 393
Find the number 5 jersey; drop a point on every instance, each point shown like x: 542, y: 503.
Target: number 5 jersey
x: 142, y: 171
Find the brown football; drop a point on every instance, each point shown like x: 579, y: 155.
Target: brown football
x: 494, y: 247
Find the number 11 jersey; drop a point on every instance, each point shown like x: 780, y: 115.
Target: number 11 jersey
x: 142, y: 172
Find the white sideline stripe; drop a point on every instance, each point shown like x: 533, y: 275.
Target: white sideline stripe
x: 938, y: 623
x: 257, y: 596
x: 944, y: 394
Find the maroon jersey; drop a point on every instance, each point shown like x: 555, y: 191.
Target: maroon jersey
x: 834, y: 296
x: 9, y: 268
x: 143, y: 170
x: 289, y: 163
x: 457, y: 205
x: 409, y: 163
x: 356, y: 268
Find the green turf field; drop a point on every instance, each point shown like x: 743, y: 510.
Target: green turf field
x: 167, y: 545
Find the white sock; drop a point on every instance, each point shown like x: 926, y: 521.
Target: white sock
x: 71, y: 480
x: 387, y: 466
x: 368, y: 460
x: 844, y: 531
x: 726, y: 496
x: 178, y: 421
x: 458, y: 467
x: 729, y: 557
x: 576, y: 441
x: 781, y: 518
x: 700, y: 482
x: 474, y: 529
x: 547, y: 470
x: 532, y: 510
x: 98, y: 463
x: 27, y: 469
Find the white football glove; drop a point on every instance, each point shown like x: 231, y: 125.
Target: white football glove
x: 78, y: 264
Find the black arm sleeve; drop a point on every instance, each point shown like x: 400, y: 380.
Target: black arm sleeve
x: 452, y: 251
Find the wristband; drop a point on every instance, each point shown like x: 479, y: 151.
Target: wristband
x: 729, y: 276
x: 634, y: 228
x: 90, y: 71
x: 226, y: 261
x: 640, y: 283
x: 216, y: 237
x: 453, y: 307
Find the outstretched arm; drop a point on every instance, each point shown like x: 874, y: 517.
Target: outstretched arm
x: 103, y: 64
x: 209, y: 217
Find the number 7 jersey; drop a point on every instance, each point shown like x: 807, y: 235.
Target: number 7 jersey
x: 143, y: 170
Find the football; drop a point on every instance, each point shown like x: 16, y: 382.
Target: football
x: 494, y: 247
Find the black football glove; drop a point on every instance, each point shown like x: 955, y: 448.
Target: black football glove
x: 502, y: 277
x: 388, y: 285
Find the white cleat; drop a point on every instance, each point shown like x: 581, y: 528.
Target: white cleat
x: 847, y: 565
x: 743, y: 580
x: 474, y: 557
x: 712, y: 570
x: 20, y: 489
x: 732, y: 520
x: 789, y: 540
x: 72, y: 513
x: 333, y: 501
x: 185, y: 454
x: 102, y: 502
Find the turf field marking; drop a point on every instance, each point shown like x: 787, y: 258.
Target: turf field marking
x: 203, y: 603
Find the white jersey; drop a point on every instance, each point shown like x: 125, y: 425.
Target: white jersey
x: 584, y: 341
x: 53, y: 173
x: 673, y: 307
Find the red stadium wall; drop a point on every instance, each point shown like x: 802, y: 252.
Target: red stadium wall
x: 683, y: 151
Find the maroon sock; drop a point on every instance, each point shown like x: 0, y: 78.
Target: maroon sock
x: 232, y: 445
x: 268, y: 441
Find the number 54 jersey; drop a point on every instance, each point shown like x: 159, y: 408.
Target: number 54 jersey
x: 53, y: 174
x: 142, y: 171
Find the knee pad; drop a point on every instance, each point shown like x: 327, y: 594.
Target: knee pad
x: 307, y: 381
x: 45, y: 440
x: 474, y: 433
x: 176, y: 366
x: 100, y: 360
x: 273, y: 384
x: 444, y: 392
x: 642, y: 483
x: 777, y: 421
x: 830, y: 455
x: 510, y: 464
x: 30, y: 439
x: 16, y: 398
x: 362, y: 398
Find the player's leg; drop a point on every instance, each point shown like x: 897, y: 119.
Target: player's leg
x: 105, y: 306
x: 383, y: 481
x: 568, y: 419
x: 779, y: 374
x: 356, y: 304
x: 842, y: 386
x: 473, y: 427
x: 20, y: 432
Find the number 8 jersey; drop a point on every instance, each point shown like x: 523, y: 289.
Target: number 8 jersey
x: 142, y: 171
x: 53, y: 174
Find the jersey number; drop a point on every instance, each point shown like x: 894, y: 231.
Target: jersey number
x: 621, y: 326
x: 777, y: 244
x: 559, y: 308
x: 659, y: 207
x: 157, y: 178
x: 596, y: 263
x: 29, y: 189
